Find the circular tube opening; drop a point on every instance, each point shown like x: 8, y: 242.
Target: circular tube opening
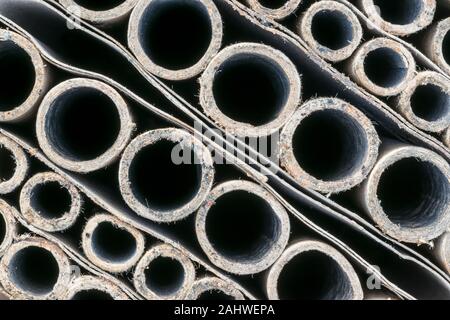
x: 7, y: 164
x: 430, y: 102
x: 51, y: 200
x: 99, y: 5
x: 385, y: 67
x: 93, y: 288
x: 332, y: 29
x: 242, y: 228
x: 251, y: 89
x: 164, y: 276
x: 399, y: 11
x: 211, y: 288
x: 92, y: 294
x: 112, y: 243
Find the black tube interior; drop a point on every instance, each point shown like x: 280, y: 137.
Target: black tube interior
x: 399, y: 11
x: 413, y: 193
x: 113, y: 244
x: 251, y: 89
x: 332, y: 29
x: 51, y: 200
x: 18, y: 75
x: 175, y: 34
x: 313, y: 275
x: 92, y: 294
x: 99, y: 5
x: 164, y: 276
x: 34, y: 269
x: 161, y: 183
x: 273, y: 4
x: 446, y: 47
x: 214, y: 295
x: 242, y: 226
x: 7, y: 164
x: 430, y: 102
x: 82, y: 124
x: 2, y: 229
x: 330, y: 145
x: 385, y: 67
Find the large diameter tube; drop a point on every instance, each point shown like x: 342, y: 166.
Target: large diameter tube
x: 328, y: 145
x: 34, y: 268
x: 8, y: 226
x: 442, y: 251
x: 102, y: 12
x: 400, y: 17
x: 313, y: 270
x: 407, y: 194
x: 425, y: 101
x: 111, y: 244
x: 83, y: 125
x: 274, y: 9
x: 24, y: 77
x: 93, y: 288
x: 250, y: 89
x: 175, y: 39
x: 13, y: 165
x: 49, y: 202
x: 382, y: 66
x: 182, y: 159
x: 164, y: 273
x: 211, y: 288
x: 331, y: 29
x: 437, y: 45
x: 241, y: 227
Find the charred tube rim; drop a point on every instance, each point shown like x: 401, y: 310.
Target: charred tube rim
x: 288, y: 8
x: 107, y: 16
x: 37, y: 216
x: 425, y: 101
x: 350, y: 284
x: 431, y: 217
x: 267, y: 252
x: 213, y: 285
x: 437, y: 44
x: 187, y: 275
x: 283, y: 68
x: 95, y: 252
x: 13, y: 277
x: 418, y: 17
x: 186, y: 141
x: 342, y: 18
x: 14, y: 41
x: 8, y: 226
x: 135, y: 42
x: 83, y: 287
x: 9, y: 148
x: 365, y: 142
x: 48, y: 112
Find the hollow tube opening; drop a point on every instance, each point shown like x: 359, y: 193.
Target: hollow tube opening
x: 2, y: 229
x: 400, y: 12
x: 7, y: 164
x: 385, y: 67
x: 51, y: 200
x: 99, y: 5
x: 430, y: 102
x: 92, y: 294
x: 164, y: 276
x: 332, y: 29
x: 446, y: 47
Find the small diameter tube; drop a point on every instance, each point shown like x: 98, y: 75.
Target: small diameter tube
x: 329, y: 145
x: 331, y: 29
x: 382, y: 66
x: 83, y: 125
x: 437, y: 44
x: 111, y: 244
x: 274, y: 9
x: 242, y: 228
x: 442, y: 251
x: 93, y: 288
x: 164, y: 273
x: 13, y: 165
x: 8, y: 226
x: 192, y: 35
x: 35, y: 268
x: 250, y: 89
x: 313, y: 270
x: 186, y: 163
x: 211, y: 288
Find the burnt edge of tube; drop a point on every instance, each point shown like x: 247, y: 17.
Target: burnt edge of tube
x: 414, y: 233
x: 245, y: 50
x: 164, y: 251
x: 21, y: 165
x: 8, y: 214
x: 100, y: 17
x: 288, y: 8
x: 207, y: 285
x: 434, y: 45
x: 249, y: 265
x: 305, y: 29
x: 47, y: 109
x: 137, y: 49
x: 290, y: 163
x: 41, y: 76
x: 405, y: 104
x: 87, y: 283
x: 38, y: 219
x: 105, y: 263
x: 187, y: 142
x: 422, y: 17
x: 300, y: 247
x: 404, y: 61
x: 20, y: 291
